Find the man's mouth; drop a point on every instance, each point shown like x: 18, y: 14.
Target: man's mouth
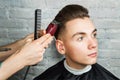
x: 93, y: 54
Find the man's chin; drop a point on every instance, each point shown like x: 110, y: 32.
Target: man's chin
x: 92, y: 62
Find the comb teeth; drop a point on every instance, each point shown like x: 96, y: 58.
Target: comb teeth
x: 38, y: 16
x: 37, y: 22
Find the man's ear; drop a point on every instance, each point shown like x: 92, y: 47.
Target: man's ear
x: 60, y: 46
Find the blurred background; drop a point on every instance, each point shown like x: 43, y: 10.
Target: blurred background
x: 17, y: 20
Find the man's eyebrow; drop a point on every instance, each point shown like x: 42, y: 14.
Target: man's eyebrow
x: 79, y: 33
x: 83, y: 33
x: 94, y: 30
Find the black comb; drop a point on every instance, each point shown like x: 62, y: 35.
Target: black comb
x: 37, y: 23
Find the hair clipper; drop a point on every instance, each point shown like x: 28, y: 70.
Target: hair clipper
x: 52, y: 27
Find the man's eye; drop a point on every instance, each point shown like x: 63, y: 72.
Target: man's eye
x: 80, y: 38
x: 94, y: 35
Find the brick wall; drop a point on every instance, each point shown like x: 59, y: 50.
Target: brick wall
x: 17, y: 20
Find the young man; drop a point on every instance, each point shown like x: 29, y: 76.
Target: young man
x: 76, y: 39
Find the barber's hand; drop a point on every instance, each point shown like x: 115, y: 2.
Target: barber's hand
x: 29, y: 37
x: 32, y: 52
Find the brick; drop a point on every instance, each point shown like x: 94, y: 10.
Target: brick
x: 109, y: 44
x: 108, y: 53
x: 21, y: 13
x: 106, y: 23
x: 106, y: 13
x: 17, y: 33
x: 3, y: 13
x: 3, y: 33
x: 5, y: 41
x: 113, y: 33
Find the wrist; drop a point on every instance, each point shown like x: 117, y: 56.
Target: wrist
x: 19, y: 59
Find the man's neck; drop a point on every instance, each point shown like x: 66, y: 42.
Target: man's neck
x: 77, y: 71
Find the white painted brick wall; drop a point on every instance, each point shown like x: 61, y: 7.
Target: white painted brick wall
x: 17, y: 20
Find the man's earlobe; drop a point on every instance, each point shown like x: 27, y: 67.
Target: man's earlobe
x: 60, y: 46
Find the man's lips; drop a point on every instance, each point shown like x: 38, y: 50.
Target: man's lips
x: 93, y: 54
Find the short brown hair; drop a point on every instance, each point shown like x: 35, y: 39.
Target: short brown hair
x: 68, y: 13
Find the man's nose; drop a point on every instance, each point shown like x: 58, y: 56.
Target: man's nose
x: 92, y: 43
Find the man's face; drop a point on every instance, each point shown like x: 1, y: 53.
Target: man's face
x: 80, y: 43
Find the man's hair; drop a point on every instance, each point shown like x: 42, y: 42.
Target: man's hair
x: 68, y: 13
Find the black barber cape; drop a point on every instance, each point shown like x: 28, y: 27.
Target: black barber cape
x: 58, y: 72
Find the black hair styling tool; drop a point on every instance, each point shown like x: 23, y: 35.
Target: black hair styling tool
x: 37, y: 23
